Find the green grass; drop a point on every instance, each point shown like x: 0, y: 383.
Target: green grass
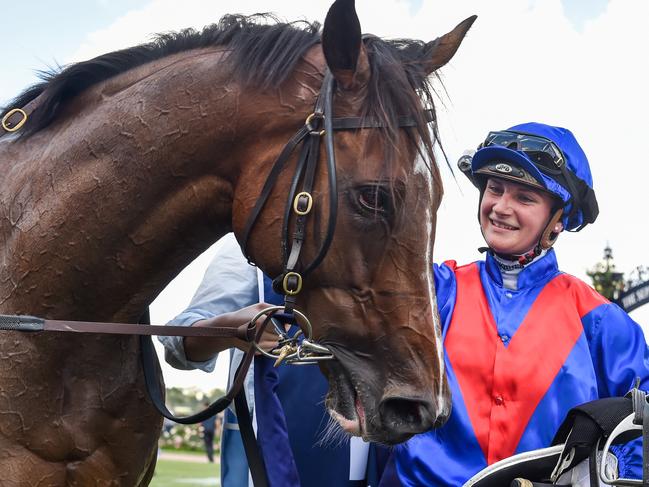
x: 174, y: 473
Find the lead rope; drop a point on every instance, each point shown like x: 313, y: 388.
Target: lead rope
x: 152, y: 372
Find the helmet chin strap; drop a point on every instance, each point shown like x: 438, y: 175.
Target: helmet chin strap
x: 549, y: 235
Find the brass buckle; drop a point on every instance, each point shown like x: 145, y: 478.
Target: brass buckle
x: 292, y: 292
x: 5, y: 119
x: 309, y: 203
x: 308, y: 121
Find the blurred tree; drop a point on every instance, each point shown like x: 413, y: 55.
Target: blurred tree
x: 606, y: 280
x: 184, y: 400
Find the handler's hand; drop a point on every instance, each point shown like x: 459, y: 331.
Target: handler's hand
x: 200, y: 348
x: 268, y: 340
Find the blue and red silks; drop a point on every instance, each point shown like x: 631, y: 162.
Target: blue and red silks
x: 517, y: 361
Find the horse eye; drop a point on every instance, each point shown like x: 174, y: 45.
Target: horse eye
x: 374, y: 198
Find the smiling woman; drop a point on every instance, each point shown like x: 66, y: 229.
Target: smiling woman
x: 513, y: 216
x: 524, y: 342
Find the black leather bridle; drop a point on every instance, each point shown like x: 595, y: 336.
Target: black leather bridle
x: 321, y: 123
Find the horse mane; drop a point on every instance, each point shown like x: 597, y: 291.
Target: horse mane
x: 262, y: 52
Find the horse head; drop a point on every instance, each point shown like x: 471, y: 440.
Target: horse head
x: 372, y: 298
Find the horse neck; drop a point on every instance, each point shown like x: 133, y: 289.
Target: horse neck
x: 132, y: 181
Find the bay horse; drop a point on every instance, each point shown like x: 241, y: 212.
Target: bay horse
x: 136, y: 161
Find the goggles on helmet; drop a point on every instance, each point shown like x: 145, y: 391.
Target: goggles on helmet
x: 580, y: 204
x: 541, y: 151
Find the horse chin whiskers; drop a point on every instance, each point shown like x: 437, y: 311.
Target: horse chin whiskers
x: 333, y: 435
x: 346, y: 408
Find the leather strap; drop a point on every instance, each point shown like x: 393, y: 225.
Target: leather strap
x: 645, y: 444
x: 593, y: 471
x: 250, y: 445
x: 350, y: 123
x: 549, y: 236
x: 16, y: 118
x: 151, y: 368
x: 152, y: 374
x: 281, y: 161
x: 32, y: 323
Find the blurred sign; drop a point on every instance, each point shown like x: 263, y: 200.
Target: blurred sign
x: 634, y: 297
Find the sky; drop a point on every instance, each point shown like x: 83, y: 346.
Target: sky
x: 579, y: 64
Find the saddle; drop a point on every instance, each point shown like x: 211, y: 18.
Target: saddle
x: 580, y: 455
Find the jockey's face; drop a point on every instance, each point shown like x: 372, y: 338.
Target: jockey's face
x: 513, y: 216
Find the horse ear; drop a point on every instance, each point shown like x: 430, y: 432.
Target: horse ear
x: 441, y: 50
x: 342, y: 45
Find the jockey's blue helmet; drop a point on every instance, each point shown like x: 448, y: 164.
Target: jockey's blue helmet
x: 542, y: 156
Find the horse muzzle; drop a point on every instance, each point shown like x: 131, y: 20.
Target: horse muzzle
x: 402, y: 417
x: 358, y: 402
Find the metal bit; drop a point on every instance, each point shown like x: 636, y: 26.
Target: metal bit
x: 285, y: 351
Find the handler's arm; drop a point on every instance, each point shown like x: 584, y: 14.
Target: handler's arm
x: 229, y: 285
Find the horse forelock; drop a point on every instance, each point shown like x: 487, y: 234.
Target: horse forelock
x: 398, y: 86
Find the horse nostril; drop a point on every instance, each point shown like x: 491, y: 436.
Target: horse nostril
x: 402, y: 415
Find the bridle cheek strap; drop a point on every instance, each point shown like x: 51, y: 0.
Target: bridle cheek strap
x: 317, y: 125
